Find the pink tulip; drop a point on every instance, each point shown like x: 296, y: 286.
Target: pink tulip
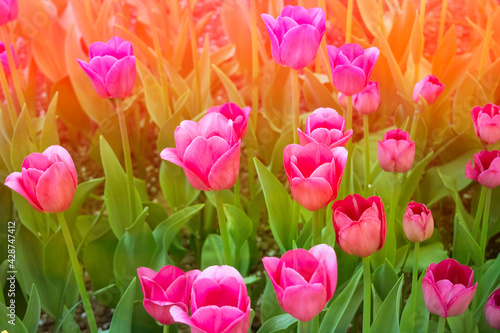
x: 314, y: 172
x: 351, y: 67
x: 8, y: 11
x: 3, y: 57
x: 219, y: 303
x: 360, y: 225
x: 208, y: 151
x: 486, y: 170
x: 304, y: 281
x: 295, y: 35
x: 429, y: 88
x: 233, y: 112
x: 486, y: 122
x: 418, y: 223
x: 342, y: 99
x: 396, y: 152
x: 325, y: 126
x: 162, y: 290
x: 111, y: 68
x: 492, y: 310
x: 448, y: 288
x: 368, y: 99
x: 48, y: 180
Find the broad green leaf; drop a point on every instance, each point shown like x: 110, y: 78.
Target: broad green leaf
x: 81, y: 194
x: 175, y: 186
x: 239, y: 225
x: 411, y: 183
x: 463, y: 323
x: 277, y: 323
x: 10, y: 322
x: 470, y: 243
x: 269, y: 306
x: 232, y: 92
x: 156, y: 215
x: 122, y: 317
x: 489, y: 282
x: 29, y: 218
x: 50, y: 135
x: 451, y: 184
x: 428, y: 254
x: 154, y: 95
x: 212, y: 253
x: 419, y: 320
x: 21, y: 145
x: 387, y: 318
x: 142, y: 321
x: 384, y: 278
x: 32, y: 315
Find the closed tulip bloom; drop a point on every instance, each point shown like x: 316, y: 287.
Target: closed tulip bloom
x: 48, y: 180
x: 8, y: 11
x: 429, y: 88
x: 304, y: 281
x: 4, y: 60
x: 486, y: 122
x: 162, y: 290
x: 111, y: 68
x: 486, y: 170
x: 237, y: 115
x: 325, y: 126
x: 360, y: 224
x: 208, y: 151
x: 295, y: 35
x: 418, y: 223
x: 314, y: 172
x: 351, y: 67
x: 396, y: 152
x: 219, y: 303
x: 448, y: 288
x: 492, y: 310
x: 368, y: 99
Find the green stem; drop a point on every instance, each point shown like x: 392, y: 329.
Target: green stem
x: 224, y: 232
x: 251, y: 173
x: 486, y: 220
x: 414, y: 281
x: 367, y: 154
x: 295, y: 105
x: 78, y: 272
x: 391, y: 237
x: 416, y: 118
x: 346, y: 183
x: 304, y: 327
x: 237, y: 200
x: 166, y: 328
x: 367, y: 294
x: 317, y: 226
x: 442, y: 322
x: 479, y: 212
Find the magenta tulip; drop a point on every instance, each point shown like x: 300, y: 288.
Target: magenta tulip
x: 219, y: 303
x: 304, y: 281
x: 486, y: 122
x: 162, y: 290
x: 396, y: 151
x: 314, y: 172
x: 325, y: 126
x: 492, y: 310
x: 360, y: 224
x: 368, y: 99
x: 111, y: 68
x: 351, y: 67
x: 429, y: 88
x: 47, y: 180
x: 486, y: 170
x: 418, y: 223
x: 448, y: 288
x: 208, y: 151
x: 237, y: 115
x: 8, y: 11
x: 4, y: 60
x: 295, y: 35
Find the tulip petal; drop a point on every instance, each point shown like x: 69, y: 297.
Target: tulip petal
x: 15, y: 182
x: 57, y: 153
x: 271, y: 267
x: 348, y: 80
x: 312, y: 193
x: 167, y: 275
x: 290, y: 151
x: 184, y: 134
x: 270, y: 24
x: 57, y: 177
x: 304, y: 139
x: 161, y: 311
x: 224, y: 172
x: 304, y: 38
x: 170, y: 154
x: 95, y: 79
x: 326, y: 257
x: 491, y: 177
x: 179, y: 314
x: 433, y: 299
x: 212, y: 319
x: 120, y: 79
x: 304, y: 302
x: 361, y: 238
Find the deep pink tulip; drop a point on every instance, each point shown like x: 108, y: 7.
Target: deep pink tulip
x: 396, y: 152
x: 295, y: 35
x: 325, y: 126
x: 486, y: 170
x: 111, y: 68
x: 304, y: 281
x: 208, y: 151
x: 429, y: 88
x: 368, y: 99
x: 47, y: 180
x: 486, y: 122
x: 314, y: 172
x: 162, y: 290
x: 351, y: 67
x: 418, y: 223
x: 492, y: 310
x: 8, y: 11
x: 233, y: 112
x: 219, y: 303
x: 360, y: 224
x: 3, y: 57
x: 448, y: 288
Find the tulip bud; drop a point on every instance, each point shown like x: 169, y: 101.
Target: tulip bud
x: 233, y: 112
x: 492, y: 310
x: 325, y: 126
x: 396, y: 152
x: 429, y: 88
x: 4, y: 60
x: 8, y: 11
x: 418, y: 223
x: 486, y: 170
x: 487, y: 123
x: 368, y: 99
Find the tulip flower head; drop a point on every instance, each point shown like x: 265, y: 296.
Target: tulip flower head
x: 429, y: 88
x: 48, y: 180
x: 295, y: 35
x: 8, y: 11
x: 396, y: 152
x: 486, y: 122
x: 492, y: 310
x: 111, y: 68
x: 325, y: 126
x: 486, y: 170
x: 237, y: 115
x: 4, y: 60
x: 448, y: 288
x: 304, y: 281
x: 368, y: 100
x: 418, y: 223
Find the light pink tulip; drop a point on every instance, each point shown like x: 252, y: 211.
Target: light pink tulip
x: 295, y: 35
x: 448, y: 288
x: 486, y: 122
x: 237, y: 115
x: 314, y: 172
x: 208, y: 151
x: 325, y: 126
x: 368, y: 99
x: 418, y: 223
x: 162, y: 290
x: 396, y: 152
x: 47, y: 180
x: 486, y: 170
x: 429, y: 88
x: 342, y: 99
x: 4, y: 60
x: 492, y: 310
x: 304, y: 281
x: 8, y: 11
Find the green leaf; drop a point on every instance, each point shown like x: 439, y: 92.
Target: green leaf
x: 212, y: 253
x: 419, y: 320
x: 239, y: 225
x: 50, y: 134
x: 470, y: 243
x: 489, y: 282
x: 11, y: 323
x: 32, y: 315
x: 384, y: 278
x: 21, y: 145
x: 428, y: 254
x: 81, y: 194
x: 175, y: 186
x: 411, y: 183
x: 387, y: 318
x: 463, y: 323
x: 29, y: 217
x: 277, y: 323
x: 122, y: 317
x: 269, y: 306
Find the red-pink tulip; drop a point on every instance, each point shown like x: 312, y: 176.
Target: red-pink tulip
x: 492, y: 310
x: 237, y: 115
x: 111, y: 68
x: 314, y: 172
x: 295, y: 35
x: 448, y: 288
x: 368, y: 99
x: 47, y: 180
x: 396, y: 151
x: 5, y: 61
x: 325, y: 126
x: 208, y: 151
x: 418, y: 223
x: 486, y: 170
x: 304, y: 281
x: 219, y: 303
x: 486, y: 122
x: 351, y: 67
x: 162, y: 290
x: 360, y: 224
x: 8, y: 11
x: 429, y: 88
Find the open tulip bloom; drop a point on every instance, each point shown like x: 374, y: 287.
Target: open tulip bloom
x: 8, y: 11
x: 486, y: 169
x: 325, y: 126
x: 237, y: 115
x: 486, y: 122
x: 492, y: 310
x: 429, y: 88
